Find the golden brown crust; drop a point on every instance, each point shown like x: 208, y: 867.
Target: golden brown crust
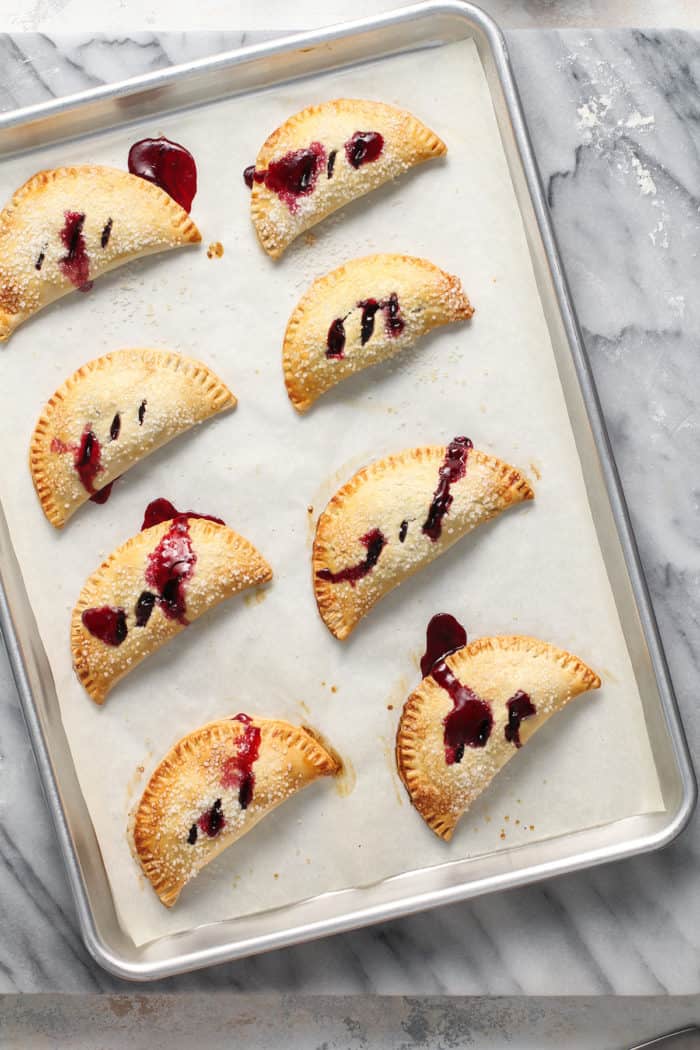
x: 143, y: 219
x: 225, y: 563
x: 407, y: 142
x: 495, y: 669
x: 189, y: 779
x: 177, y: 392
x: 382, y: 496
x: 426, y: 295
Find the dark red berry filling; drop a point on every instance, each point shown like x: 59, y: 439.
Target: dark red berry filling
x: 169, y: 568
x: 75, y: 264
x: 212, y: 822
x: 237, y: 770
x: 335, y: 343
x: 519, y: 706
x: 106, y: 233
x: 364, y: 147
x: 375, y: 542
x: 168, y: 165
x: 393, y: 324
x: 86, y: 456
x: 470, y: 721
x: 106, y: 623
x: 115, y: 427
x: 160, y: 510
x: 444, y: 635
x: 453, y: 468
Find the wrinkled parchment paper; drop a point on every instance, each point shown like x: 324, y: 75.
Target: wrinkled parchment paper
x: 535, y: 570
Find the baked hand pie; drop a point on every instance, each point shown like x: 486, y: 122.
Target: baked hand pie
x: 324, y: 157
x: 110, y: 414
x: 472, y: 713
x: 150, y: 589
x: 396, y: 516
x: 67, y: 226
x: 213, y: 787
x: 364, y: 312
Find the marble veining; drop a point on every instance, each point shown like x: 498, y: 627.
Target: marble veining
x: 615, y: 121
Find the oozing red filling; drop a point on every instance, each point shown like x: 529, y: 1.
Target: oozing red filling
x: 168, y: 165
x: 159, y: 510
x: 212, y: 822
x: 454, y: 467
x: 470, y: 721
x: 87, y: 457
x: 238, y: 769
x: 106, y: 623
x: 519, y: 706
x: 393, y: 324
x: 375, y: 542
x: 169, y: 567
x: 364, y: 147
x: 295, y: 174
x: 75, y: 264
x: 444, y: 635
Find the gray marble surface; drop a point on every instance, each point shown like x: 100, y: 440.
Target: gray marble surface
x: 615, y: 119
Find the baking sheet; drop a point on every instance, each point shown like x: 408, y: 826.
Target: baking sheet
x: 535, y: 570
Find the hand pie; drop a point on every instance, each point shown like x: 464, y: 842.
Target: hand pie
x: 470, y: 715
x: 362, y: 313
x: 324, y: 157
x: 66, y: 227
x: 150, y: 589
x: 110, y: 414
x: 213, y: 787
x: 399, y: 514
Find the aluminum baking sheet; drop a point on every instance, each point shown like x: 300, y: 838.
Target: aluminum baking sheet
x: 508, y: 380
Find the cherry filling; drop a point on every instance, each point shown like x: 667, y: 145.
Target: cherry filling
x: 470, y: 721
x: 294, y: 175
x: 142, y: 412
x: 169, y: 567
x: 393, y: 324
x: 168, y: 165
x: 115, y: 427
x: 363, y: 147
x: 144, y: 608
x: 403, y: 532
x: 211, y: 822
x: 102, y: 495
x: 86, y: 456
x: 375, y: 542
x: 331, y: 163
x: 453, y: 468
x: 335, y: 343
x: 106, y: 233
x: 445, y: 635
x: 519, y: 706
x: 106, y: 623
x: 75, y: 265
x: 237, y: 770
x: 160, y: 510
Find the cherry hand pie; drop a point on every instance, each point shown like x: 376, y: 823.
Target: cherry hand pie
x: 67, y: 226
x: 110, y: 414
x: 150, y: 589
x: 213, y: 787
x: 324, y: 157
x: 397, y: 515
x: 471, y: 714
x: 362, y: 313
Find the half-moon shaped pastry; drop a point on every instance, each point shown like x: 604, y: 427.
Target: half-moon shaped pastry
x: 364, y: 312
x: 213, y: 787
x: 110, y: 414
x: 326, y: 156
x: 67, y: 226
x: 150, y: 589
x: 396, y: 516
x: 470, y: 715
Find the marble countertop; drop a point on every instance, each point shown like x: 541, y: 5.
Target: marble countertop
x: 615, y: 119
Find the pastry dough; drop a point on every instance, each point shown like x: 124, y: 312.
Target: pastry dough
x: 213, y: 787
x: 454, y: 737
x: 110, y: 414
x: 150, y: 589
x: 362, y: 313
x: 396, y: 516
x: 326, y: 156
x: 67, y: 226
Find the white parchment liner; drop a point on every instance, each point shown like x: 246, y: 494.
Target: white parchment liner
x: 536, y: 570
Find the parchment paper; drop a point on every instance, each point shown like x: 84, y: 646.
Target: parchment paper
x: 535, y: 570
